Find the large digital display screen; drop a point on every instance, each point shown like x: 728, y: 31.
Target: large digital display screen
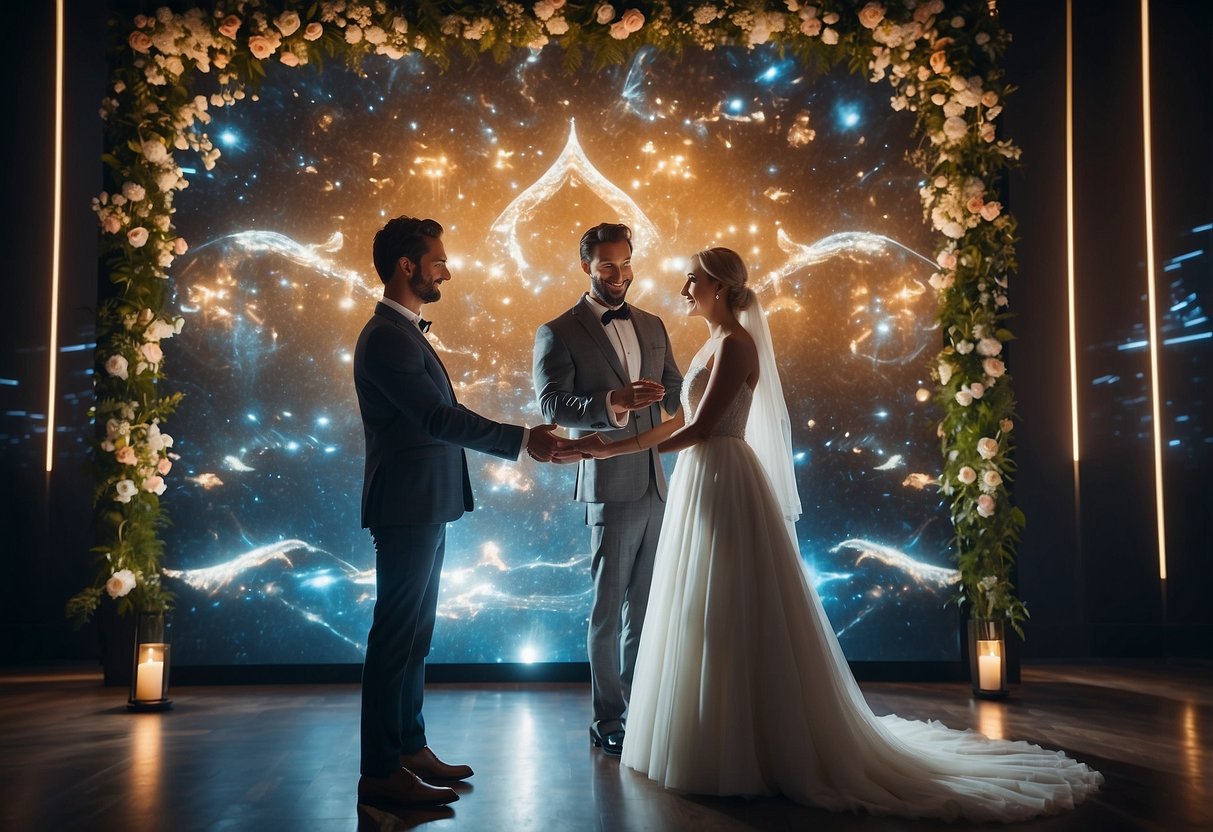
x: 804, y: 173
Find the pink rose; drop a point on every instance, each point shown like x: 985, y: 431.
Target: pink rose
x: 991, y: 210
x: 180, y: 246
x: 152, y: 352
x: 939, y: 62
x: 116, y: 366
x: 946, y: 260
x: 289, y: 59
x: 985, y: 505
x: 993, y: 367
x: 870, y: 15
x: 121, y: 582
x: 987, y: 448
x: 154, y: 484
x: 811, y: 27
x: 137, y: 237
x: 632, y: 20
x: 164, y: 466
x: 140, y: 42
x: 313, y: 31
x: 605, y: 14
x: 229, y: 26
x: 126, y: 456
x: 975, y: 204
x: 111, y: 224
x: 966, y: 475
x: 261, y: 47
x: 617, y: 31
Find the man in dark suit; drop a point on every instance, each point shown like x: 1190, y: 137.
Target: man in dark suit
x: 416, y: 481
x: 594, y: 370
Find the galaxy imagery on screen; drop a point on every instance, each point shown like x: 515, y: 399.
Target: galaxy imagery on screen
x: 802, y: 172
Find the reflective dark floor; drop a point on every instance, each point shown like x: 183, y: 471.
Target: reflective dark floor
x: 286, y: 757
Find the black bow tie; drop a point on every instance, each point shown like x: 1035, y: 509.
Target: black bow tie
x: 423, y: 324
x: 624, y: 312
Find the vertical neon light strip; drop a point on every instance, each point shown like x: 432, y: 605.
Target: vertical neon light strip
x: 1155, y: 384
x: 53, y: 346
x: 1070, y: 278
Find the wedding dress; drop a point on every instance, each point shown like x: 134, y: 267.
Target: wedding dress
x: 741, y: 687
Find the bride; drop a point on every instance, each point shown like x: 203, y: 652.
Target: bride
x: 740, y: 685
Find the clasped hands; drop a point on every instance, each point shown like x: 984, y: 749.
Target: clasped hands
x: 544, y: 446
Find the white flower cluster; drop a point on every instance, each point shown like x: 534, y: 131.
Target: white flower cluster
x: 143, y: 452
x: 141, y: 344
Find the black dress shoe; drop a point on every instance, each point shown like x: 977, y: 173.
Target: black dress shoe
x: 611, y: 743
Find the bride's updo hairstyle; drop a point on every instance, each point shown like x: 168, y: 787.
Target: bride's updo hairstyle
x: 727, y: 268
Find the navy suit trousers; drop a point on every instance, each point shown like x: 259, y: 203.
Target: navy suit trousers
x: 408, y: 563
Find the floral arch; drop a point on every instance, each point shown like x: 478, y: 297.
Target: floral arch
x: 941, y: 59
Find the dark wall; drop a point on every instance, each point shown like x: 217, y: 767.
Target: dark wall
x: 1089, y: 555
x: 44, y: 517
x: 1089, y: 559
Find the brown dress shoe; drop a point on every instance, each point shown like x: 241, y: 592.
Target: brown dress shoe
x: 426, y: 765
x: 403, y: 788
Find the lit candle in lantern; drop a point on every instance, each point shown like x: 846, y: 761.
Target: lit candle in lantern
x: 989, y: 665
x: 149, y: 683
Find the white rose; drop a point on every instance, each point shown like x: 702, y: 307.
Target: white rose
x: 137, y: 237
x: 125, y: 489
x: 830, y: 18
x: 966, y: 475
x: 605, y: 13
x: 158, y: 330
x: 287, y: 23
x: 987, y: 448
x: 964, y: 398
x: 829, y: 36
x: 991, y: 210
x: 116, y: 366
x: 313, y: 31
x: 955, y: 127
x: 155, y: 439
x: 154, y: 151
x: 154, y: 484
x: 991, y: 479
x: 993, y: 367
x: 964, y: 347
x: 985, y: 505
x: 989, y: 346
x: 133, y: 191
x: 945, y: 372
x: 121, y: 582
x: 977, y: 389
x: 152, y: 352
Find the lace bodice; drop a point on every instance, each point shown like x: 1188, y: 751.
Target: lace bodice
x: 734, y: 420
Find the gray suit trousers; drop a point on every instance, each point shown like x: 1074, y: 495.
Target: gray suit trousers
x: 623, y: 543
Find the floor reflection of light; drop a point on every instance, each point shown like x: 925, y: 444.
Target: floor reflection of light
x: 146, y: 759
x: 992, y: 720
x: 1192, y: 744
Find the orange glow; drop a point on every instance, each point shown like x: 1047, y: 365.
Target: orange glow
x: 1155, y: 384
x: 53, y: 344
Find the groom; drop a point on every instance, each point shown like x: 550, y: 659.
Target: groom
x: 416, y: 481
x: 594, y: 367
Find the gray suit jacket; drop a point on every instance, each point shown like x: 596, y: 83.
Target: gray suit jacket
x: 575, y: 368
x: 416, y: 468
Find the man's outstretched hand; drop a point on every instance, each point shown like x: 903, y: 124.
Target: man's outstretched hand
x: 542, y: 443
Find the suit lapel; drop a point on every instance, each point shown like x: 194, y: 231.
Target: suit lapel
x: 412, y: 331
x: 597, y: 332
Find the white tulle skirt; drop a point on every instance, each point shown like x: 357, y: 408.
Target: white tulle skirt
x: 741, y: 688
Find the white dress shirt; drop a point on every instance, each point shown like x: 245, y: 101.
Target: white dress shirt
x: 622, y: 335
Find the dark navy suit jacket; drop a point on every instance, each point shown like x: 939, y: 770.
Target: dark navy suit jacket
x: 416, y: 468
